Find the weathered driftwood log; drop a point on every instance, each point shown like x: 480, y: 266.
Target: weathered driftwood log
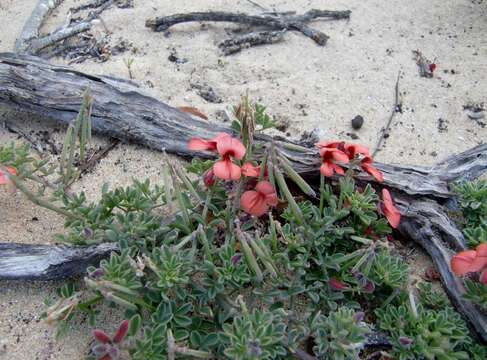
x: 47, y: 262
x: 272, y: 21
x: 122, y: 111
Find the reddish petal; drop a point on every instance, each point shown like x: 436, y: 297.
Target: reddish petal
x: 100, y: 336
x: 198, y: 144
x: 340, y: 156
x: 3, y: 178
x: 390, y: 211
x: 121, y: 332
x: 480, y: 261
x: 226, y: 170
x: 376, y: 174
x: 353, y: 150
x: 265, y: 188
x: 481, y: 249
x: 229, y: 146
x: 338, y: 169
x: 483, y: 277
x: 326, y: 169
x: 253, y: 203
x: 269, y: 193
x: 337, y: 285
x: 461, y: 263
x: 250, y: 170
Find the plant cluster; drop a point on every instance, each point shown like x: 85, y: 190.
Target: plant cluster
x: 239, y: 257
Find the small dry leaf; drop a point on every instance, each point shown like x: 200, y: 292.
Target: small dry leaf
x: 193, y: 111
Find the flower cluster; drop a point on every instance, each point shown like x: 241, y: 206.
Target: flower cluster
x: 255, y: 202
x: 471, y: 261
x: 334, y: 153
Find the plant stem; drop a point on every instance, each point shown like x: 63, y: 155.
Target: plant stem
x: 322, y: 193
x: 41, y: 202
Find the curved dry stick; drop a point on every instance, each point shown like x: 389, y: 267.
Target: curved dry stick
x: 31, y: 28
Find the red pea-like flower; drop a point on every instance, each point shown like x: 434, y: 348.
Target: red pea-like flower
x: 228, y: 148
x: 3, y: 178
x: 328, y: 158
x: 461, y: 263
x: 250, y: 170
x: 366, y: 165
x: 199, y: 144
x: 389, y: 210
x: 257, y: 202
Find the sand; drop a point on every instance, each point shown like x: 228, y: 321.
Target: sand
x: 309, y: 87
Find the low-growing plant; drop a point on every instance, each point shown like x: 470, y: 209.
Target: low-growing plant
x: 242, y: 259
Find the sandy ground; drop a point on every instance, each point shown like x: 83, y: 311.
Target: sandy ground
x: 307, y: 86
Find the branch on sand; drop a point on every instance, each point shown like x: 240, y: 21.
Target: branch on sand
x: 274, y: 22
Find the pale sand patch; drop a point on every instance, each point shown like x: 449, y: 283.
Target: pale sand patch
x: 311, y: 86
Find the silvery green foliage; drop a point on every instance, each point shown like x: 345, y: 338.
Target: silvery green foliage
x: 340, y: 335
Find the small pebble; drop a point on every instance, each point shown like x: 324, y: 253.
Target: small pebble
x: 357, y: 122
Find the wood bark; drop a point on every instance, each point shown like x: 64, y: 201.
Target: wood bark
x: 48, y: 262
x: 123, y: 111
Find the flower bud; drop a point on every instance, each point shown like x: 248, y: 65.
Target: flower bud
x: 209, y: 178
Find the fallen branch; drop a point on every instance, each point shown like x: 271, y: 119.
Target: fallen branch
x: 47, y: 262
x: 238, y: 43
x: 122, y: 111
x: 273, y: 21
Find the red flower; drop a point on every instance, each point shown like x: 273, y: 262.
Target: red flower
x: 209, y: 178
x: 328, y: 158
x: 389, y: 210
x: 256, y: 202
x: 199, y: 144
x: 480, y: 261
x: 228, y: 148
x: 366, y: 165
x: 109, y: 348
x: 461, y: 263
x: 250, y: 170
x: 3, y: 178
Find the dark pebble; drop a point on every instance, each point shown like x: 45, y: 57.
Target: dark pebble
x: 357, y: 122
